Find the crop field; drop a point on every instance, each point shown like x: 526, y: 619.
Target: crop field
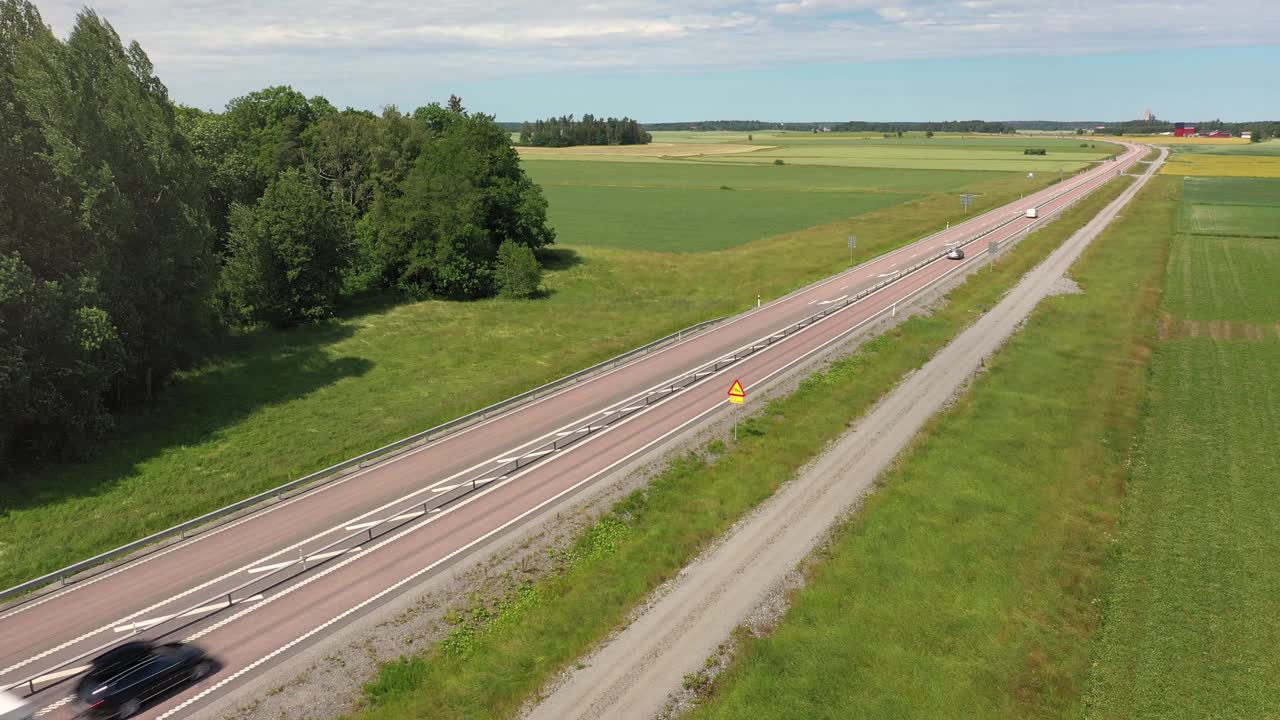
x: 700, y: 176
x: 1247, y: 207
x: 1231, y: 191
x: 913, y: 151
x: 686, y: 220
x: 1190, y: 627
x: 1222, y: 165
x: 1270, y: 148
x: 689, y: 207
x: 1245, y: 220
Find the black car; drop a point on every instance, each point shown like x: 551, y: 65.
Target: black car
x: 123, y: 679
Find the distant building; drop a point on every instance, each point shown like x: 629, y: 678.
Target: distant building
x: 1184, y: 130
x: 1148, y: 115
x: 1219, y: 134
x: 1246, y: 135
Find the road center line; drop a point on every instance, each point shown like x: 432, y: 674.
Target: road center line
x: 144, y: 624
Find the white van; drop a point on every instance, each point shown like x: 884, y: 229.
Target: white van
x: 1031, y: 212
x: 13, y: 707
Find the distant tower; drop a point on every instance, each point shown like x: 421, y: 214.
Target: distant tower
x: 1148, y: 116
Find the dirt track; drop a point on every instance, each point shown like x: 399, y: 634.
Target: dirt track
x: 632, y: 676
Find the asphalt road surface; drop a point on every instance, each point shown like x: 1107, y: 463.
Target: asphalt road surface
x: 244, y: 592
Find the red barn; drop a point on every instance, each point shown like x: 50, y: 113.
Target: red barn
x: 1219, y: 134
x: 1183, y: 130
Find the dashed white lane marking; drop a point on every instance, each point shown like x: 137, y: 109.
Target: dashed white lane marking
x: 526, y: 456
x: 371, y: 523
x: 61, y: 674
x: 50, y: 708
x: 828, y: 302
x: 812, y: 301
x: 144, y: 624
x: 887, y: 274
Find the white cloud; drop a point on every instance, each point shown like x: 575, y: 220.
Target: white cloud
x: 462, y: 39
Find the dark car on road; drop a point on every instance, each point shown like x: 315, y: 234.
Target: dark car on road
x: 124, y: 679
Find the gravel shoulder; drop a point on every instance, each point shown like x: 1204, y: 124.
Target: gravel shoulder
x: 638, y: 673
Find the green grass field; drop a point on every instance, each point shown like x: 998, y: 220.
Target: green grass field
x: 1240, y: 220
x: 1190, y: 627
x: 1270, y: 148
x: 1232, y: 279
x: 279, y: 405
x: 702, y: 176
x: 965, y: 586
x: 498, y: 656
x: 1231, y: 191
x: 687, y: 220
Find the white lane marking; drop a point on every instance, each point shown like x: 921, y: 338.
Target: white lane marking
x: 535, y: 453
x: 371, y: 523
x: 50, y: 708
x: 144, y: 624
x: 61, y: 674
x: 629, y: 409
x: 813, y: 301
x: 828, y: 302
x: 441, y: 489
x: 887, y: 274
x: 571, y: 432
x: 845, y: 287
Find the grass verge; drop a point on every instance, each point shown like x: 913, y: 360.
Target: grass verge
x: 288, y: 403
x: 499, y: 656
x: 965, y: 586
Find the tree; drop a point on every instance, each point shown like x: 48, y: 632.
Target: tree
x: 928, y: 133
x: 517, y: 272
x: 1256, y: 136
x: 899, y: 133
x: 438, y: 235
x: 287, y: 254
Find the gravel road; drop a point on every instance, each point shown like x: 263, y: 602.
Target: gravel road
x: 633, y: 675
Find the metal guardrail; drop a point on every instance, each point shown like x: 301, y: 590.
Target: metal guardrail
x: 333, y: 472
x: 538, y: 454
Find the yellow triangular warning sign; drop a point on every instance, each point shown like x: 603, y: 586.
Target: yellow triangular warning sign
x: 736, y: 390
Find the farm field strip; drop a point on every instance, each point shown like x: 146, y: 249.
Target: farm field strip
x: 1189, y: 629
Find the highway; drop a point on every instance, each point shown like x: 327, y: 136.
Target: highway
x: 243, y: 591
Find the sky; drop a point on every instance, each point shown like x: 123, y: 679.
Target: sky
x: 685, y: 60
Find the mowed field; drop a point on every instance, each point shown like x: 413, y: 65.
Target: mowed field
x: 277, y: 405
x: 913, y: 151
x: 1228, y: 206
x: 686, y: 207
x: 1190, y: 629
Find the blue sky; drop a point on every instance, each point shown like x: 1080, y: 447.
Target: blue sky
x: 673, y: 60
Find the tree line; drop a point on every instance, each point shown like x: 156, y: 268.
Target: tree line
x: 590, y: 130
x: 134, y: 232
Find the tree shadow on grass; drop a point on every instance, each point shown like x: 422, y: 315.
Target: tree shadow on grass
x: 258, y: 370
x: 556, y: 259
